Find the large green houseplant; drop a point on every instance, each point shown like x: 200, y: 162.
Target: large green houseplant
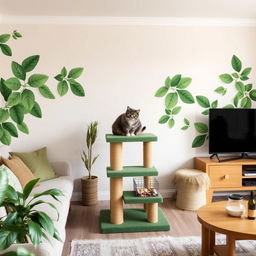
x: 23, y: 222
x: 90, y: 182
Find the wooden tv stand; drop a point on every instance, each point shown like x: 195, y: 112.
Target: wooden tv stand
x: 224, y: 176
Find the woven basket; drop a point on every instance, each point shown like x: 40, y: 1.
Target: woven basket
x: 89, y: 190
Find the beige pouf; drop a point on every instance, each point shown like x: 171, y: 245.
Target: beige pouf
x: 191, y: 188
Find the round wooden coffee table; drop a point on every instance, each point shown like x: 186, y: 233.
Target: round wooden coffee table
x: 214, y: 218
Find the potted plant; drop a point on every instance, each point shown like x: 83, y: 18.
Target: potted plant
x: 23, y: 222
x: 90, y: 183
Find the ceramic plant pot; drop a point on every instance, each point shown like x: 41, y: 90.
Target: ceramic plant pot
x: 89, y: 190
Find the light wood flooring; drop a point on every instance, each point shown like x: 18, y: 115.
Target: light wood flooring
x: 83, y: 223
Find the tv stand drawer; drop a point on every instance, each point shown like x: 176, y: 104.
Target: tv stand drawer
x: 225, y: 176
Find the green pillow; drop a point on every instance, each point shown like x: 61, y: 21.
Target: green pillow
x: 38, y: 163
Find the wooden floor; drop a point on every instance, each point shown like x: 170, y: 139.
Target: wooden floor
x: 83, y: 223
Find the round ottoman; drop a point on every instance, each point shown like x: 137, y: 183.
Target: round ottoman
x: 191, y: 188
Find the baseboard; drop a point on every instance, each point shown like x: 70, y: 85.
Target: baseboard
x: 104, y: 195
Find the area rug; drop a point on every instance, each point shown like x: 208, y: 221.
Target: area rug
x: 153, y: 246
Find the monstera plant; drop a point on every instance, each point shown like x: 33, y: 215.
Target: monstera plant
x: 18, y: 91
x: 23, y: 222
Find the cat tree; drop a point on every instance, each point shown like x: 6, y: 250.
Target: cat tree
x: 118, y: 219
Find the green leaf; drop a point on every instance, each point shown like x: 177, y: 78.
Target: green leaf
x: 46, y: 92
x: 59, y: 77
x: 161, y: 91
x: 214, y: 104
x: 184, y: 82
x: 4, y: 115
x: 10, y: 127
x: 75, y: 72
x: 30, y: 63
x: 198, y: 141
x: 244, y: 78
x: 51, y: 192
x: 17, y: 34
x: 13, y: 99
x: 184, y: 127
x: 235, y: 75
x: 13, y: 83
x: 186, y: 121
x: 35, y: 233
x: 168, y: 111
x: 62, y: 88
x: 226, y: 78
x: 246, y: 71
x: 18, y: 70
x: 76, y: 88
x: 201, y: 127
x: 5, y: 91
x: 175, y: 80
x: 6, y: 138
x: 168, y: 82
x: 7, y: 238
x: 186, y: 96
x: 23, y: 128
x: 252, y: 95
x: 240, y: 87
x: 3, y: 184
x: 171, y: 100
x: 6, y: 50
x: 246, y: 102
x: 171, y: 122
x: 17, y: 113
x: 237, y: 98
x: 1, y: 131
x: 4, y: 38
x: 203, y: 101
x: 221, y: 90
x: 229, y: 106
x: 36, y: 110
x: 28, y: 99
x: 248, y: 87
x: 63, y: 72
x: 176, y: 110
x: 46, y: 222
x: 236, y: 63
x: 28, y: 188
x: 37, y: 80
x: 163, y: 119
x: 205, y: 112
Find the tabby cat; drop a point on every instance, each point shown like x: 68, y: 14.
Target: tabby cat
x: 128, y: 123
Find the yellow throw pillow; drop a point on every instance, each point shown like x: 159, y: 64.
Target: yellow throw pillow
x: 20, y: 170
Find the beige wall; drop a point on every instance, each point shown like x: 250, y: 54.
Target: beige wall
x: 124, y: 65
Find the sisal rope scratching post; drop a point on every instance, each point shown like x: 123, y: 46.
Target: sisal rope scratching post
x: 151, y: 209
x: 191, y: 188
x: 116, y: 184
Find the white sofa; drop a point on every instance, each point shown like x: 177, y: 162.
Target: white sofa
x: 65, y: 183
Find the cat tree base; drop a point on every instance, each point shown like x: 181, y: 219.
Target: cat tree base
x: 135, y: 220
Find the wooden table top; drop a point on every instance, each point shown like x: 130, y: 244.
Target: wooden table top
x: 214, y: 217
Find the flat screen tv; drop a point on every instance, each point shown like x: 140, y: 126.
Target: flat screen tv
x: 232, y: 131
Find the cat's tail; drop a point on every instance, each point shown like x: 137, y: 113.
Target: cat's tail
x: 143, y: 129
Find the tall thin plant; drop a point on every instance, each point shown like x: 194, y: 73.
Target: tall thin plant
x: 91, y: 135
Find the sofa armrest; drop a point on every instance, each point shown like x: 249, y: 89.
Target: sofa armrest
x: 62, y: 168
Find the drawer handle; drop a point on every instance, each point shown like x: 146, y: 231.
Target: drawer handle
x: 226, y: 176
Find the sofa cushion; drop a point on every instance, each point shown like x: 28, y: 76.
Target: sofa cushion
x: 38, y: 163
x: 20, y: 170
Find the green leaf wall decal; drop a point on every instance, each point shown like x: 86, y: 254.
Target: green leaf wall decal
x: 221, y: 90
x: 36, y: 110
x: 186, y: 96
x: 203, y: 101
x: 5, y: 91
x: 37, y: 80
x: 171, y: 100
x: 229, y: 106
x: 168, y: 82
x: 201, y: 127
x: 176, y: 110
x: 4, y: 38
x: 252, y: 94
x: 17, y: 113
x: 18, y: 70
x: 6, y: 50
x: 175, y: 80
x: 13, y: 99
x: 13, y: 83
x: 160, y: 92
x: 28, y: 99
x: 171, y: 122
x: 163, y: 119
x: 30, y: 63
x: 246, y: 102
x: 198, y: 141
x: 240, y: 87
x: 10, y: 127
x: 246, y: 71
x: 77, y: 88
x: 186, y: 121
x: 75, y: 72
x: 4, y: 115
x: 46, y: 92
x: 184, y: 82
x: 23, y: 128
x: 236, y: 63
x: 63, y: 88
x: 248, y: 87
x: 226, y: 78
x: 6, y: 138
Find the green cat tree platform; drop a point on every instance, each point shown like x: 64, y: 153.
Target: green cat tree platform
x: 117, y: 219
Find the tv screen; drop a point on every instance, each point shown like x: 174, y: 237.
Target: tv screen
x: 232, y: 130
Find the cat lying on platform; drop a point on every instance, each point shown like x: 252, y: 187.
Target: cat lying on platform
x: 128, y: 123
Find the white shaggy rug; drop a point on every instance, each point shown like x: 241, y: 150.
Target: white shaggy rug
x: 153, y: 246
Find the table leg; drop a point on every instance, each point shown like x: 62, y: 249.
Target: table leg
x: 231, y: 246
x: 212, y: 242
x: 205, y: 249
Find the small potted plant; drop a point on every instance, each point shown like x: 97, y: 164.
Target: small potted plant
x: 90, y: 183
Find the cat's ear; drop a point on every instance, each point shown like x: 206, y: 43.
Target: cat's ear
x: 138, y: 110
x: 128, y: 108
